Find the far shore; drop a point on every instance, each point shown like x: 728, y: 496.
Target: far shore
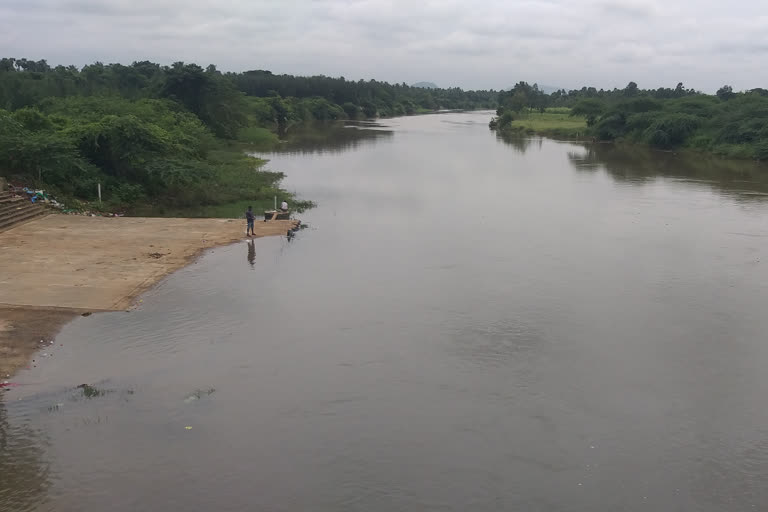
x: 60, y: 266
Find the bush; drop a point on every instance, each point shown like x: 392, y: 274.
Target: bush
x: 761, y: 150
x: 257, y: 135
x: 352, y: 110
x: 611, y: 127
x: 506, y: 119
x: 639, y: 105
x: 127, y: 193
x: 742, y: 151
x: 700, y: 142
x: 638, y: 123
x: 671, y: 130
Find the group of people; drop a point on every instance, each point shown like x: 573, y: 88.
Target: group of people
x: 250, y: 218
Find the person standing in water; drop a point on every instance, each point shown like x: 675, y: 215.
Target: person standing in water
x: 249, y: 218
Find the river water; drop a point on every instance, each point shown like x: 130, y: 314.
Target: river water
x: 468, y: 323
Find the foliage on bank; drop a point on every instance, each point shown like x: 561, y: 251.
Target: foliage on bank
x: 555, y: 122
x: 728, y: 123
x: 173, y: 136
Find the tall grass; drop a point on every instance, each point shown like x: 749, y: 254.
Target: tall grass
x: 553, y: 121
x: 236, y: 180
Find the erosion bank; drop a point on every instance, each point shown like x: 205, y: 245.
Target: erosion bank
x: 57, y: 267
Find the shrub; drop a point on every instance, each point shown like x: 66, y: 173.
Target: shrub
x: 671, y: 130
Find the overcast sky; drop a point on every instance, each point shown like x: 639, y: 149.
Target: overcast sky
x: 471, y: 44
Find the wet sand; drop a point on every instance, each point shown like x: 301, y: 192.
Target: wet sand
x: 60, y: 266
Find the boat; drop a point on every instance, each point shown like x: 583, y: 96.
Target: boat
x: 276, y: 215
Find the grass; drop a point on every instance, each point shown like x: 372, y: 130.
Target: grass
x: 558, y: 110
x: 556, y: 121
x: 236, y: 181
x: 258, y: 135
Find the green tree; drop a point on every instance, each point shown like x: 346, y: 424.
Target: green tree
x: 369, y: 109
x: 208, y: 95
x: 351, y: 110
x: 589, y: 108
x: 725, y: 93
x: 631, y: 90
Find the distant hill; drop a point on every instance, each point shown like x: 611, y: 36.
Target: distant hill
x: 425, y: 85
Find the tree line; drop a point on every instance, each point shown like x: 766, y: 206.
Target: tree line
x: 153, y: 133
x: 728, y: 123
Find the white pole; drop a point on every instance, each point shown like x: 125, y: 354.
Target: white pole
x: 99, y: 193
x: 275, y: 202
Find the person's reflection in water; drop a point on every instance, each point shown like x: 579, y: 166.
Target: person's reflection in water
x: 252, y: 252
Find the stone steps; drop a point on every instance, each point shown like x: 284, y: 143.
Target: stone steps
x: 15, y: 212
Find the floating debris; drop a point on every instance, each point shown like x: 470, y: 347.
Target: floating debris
x: 198, y: 394
x: 56, y: 407
x: 92, y: 391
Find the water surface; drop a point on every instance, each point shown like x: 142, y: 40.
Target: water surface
x: 469, y: 323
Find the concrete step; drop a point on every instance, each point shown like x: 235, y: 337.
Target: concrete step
x: 14, y: 206
x: 13, y: 219
x: 11, y: 199
x: 7, y: 224
x: 11, y: 208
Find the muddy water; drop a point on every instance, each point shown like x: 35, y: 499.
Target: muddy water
x: 470, y: 323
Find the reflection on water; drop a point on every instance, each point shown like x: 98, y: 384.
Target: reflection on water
x: 520, y: 143
x: 639, y: 164
x: 473, y: 323
x: 331, y: 137
x: 251, y: 253
x: 628, y: 163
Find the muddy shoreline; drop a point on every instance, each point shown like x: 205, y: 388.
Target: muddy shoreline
x: 58, y: 267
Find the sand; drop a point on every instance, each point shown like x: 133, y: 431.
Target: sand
x: 56, y: 267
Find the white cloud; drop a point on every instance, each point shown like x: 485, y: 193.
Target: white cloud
x: 488, y: 43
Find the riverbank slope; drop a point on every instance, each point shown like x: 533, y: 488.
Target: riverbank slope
x: 60, y: 266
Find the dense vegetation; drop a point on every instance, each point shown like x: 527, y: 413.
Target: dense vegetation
x: 173, y: 136
x: 727, y: 123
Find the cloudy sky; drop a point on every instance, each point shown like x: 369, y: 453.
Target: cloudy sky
x: 471, y: 44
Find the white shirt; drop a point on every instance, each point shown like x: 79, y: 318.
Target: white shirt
x: 284, y: 206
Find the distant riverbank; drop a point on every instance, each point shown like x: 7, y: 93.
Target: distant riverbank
x: 559, y: 124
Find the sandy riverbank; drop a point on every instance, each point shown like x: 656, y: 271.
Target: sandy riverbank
x: 60, y: 266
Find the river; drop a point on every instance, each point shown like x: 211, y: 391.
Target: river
x: 469, y: 323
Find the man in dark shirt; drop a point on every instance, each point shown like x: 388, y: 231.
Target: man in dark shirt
x: 249, y: 219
